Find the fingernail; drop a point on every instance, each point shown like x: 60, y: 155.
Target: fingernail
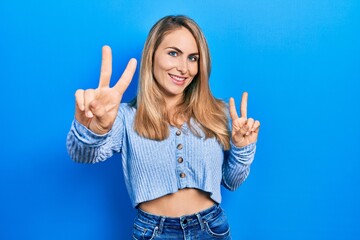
x: 89, y: 114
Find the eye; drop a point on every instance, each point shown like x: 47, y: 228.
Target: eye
x: 193, y: 58
x: 173, y: 53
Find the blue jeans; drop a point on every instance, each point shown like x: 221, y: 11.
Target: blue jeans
x: 208, y: 224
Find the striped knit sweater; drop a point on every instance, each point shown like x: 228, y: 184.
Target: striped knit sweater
x: 155, y: 168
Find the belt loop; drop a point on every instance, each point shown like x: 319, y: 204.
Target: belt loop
x: 200, y: 221
x: 161, y: 225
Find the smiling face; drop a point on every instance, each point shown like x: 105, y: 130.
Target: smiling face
x: 176, y: 64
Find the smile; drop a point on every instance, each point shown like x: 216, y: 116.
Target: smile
x: 177, y: 78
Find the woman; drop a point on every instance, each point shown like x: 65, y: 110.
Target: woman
x: 174, y: 138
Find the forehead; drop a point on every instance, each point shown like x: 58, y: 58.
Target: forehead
x: 180, y: 38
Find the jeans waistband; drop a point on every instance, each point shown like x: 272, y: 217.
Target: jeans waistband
x: 179, y: 222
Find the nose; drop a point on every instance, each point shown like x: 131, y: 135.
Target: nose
x: 182, y: 66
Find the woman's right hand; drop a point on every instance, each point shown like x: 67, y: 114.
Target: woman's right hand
x: 97, y: 108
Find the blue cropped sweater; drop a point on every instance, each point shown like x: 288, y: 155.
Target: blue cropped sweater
x: 155, y: 168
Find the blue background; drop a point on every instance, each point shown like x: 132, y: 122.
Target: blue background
x: 299, y: 60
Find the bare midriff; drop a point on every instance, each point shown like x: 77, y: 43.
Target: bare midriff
x: 183, y: 202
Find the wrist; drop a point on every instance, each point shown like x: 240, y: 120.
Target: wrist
x: 96, y: 128
x: 239, y: 141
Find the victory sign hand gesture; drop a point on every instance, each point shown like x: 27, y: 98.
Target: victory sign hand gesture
x: 97, y: 108
x: 244, y: 130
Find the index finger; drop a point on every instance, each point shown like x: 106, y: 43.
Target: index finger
x: 243, y: 108
x: 106, y: 67
x: 232, y: 109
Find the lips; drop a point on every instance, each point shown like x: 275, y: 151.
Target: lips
x: 177, y: 79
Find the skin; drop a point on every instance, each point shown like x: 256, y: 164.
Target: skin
x: 174, y: 69
x: 175, y: 64
x: 97, y: 108
x: 244, y: 130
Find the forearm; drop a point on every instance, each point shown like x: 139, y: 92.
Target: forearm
x: 85, y: 146
x: 236, y: 167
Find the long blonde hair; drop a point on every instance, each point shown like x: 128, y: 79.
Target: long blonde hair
x: 152, y: 120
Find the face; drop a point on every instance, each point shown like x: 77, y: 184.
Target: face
x: 176, y: 63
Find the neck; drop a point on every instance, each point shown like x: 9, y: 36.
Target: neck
x: 171, y: 109
x: 171, y: 102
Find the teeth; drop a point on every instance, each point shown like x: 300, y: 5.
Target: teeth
x: 177, y: 78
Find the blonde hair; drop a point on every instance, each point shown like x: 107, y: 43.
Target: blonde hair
x: 152, y: 120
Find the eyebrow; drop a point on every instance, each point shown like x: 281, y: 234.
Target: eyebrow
x: 178, y: 50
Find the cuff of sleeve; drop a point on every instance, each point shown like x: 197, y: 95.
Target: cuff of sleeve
x: 245, y: 154
x: 243, y: 150
x: 87, y: 136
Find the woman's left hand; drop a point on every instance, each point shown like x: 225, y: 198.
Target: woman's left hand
x: 244, y: 130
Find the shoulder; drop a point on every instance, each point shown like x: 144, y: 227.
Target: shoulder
x: 126, y: 110
x: 126, y: 107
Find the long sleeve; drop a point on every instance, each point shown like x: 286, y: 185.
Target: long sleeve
x: 236, y: 166
x: 85, y: 146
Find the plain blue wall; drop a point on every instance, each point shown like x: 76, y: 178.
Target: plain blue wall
x: 299, y: 60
